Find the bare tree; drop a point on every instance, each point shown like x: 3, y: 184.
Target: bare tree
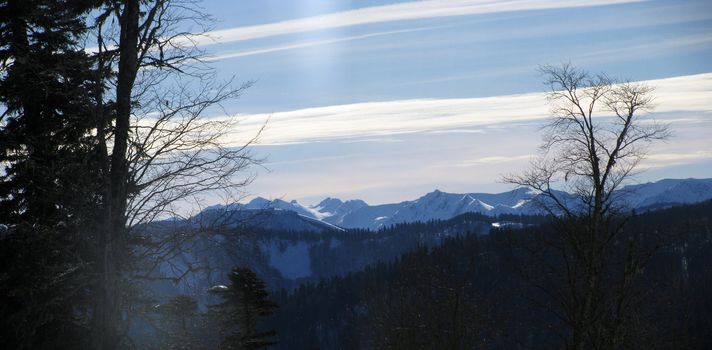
x: 159, y: 149
x: 593, y: 143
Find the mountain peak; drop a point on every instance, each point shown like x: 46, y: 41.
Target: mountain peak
x: 434, y: 194
x: 355, y: 202
x: 442, y: 205
x: 259, y: 201
x: 328, y: 202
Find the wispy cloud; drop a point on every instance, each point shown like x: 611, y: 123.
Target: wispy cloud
x: 631, y: 49
x: 374, y: 119
x: 660, y: 160
x: 379, y: 119
x: 263, y: 50
x: 390, y: 13
x: 492, y: 160
x: 634, y: 50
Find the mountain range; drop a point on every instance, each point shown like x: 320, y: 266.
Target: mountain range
x: 334, y: 213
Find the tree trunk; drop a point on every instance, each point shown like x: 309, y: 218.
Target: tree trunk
x: 112, y: 241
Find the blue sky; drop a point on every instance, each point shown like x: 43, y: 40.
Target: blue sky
x: 387, y: 100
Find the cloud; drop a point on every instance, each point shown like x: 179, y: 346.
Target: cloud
x: 263, y: 50
x: 390, y: 13
x: 493, y: 160
x: 458, y: 131
x: 634, y: 50
x: 660, y: 160
x: 380, y: 119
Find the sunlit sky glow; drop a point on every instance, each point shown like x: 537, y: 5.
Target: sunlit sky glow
x: 387, y: 100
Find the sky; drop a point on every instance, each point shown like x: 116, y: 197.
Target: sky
x: 387, y: 100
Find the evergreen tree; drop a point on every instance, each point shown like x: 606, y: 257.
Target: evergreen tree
x: 47, y: 179
x: 244, y: 302
x: 78, y: 172
x: 180, y: 316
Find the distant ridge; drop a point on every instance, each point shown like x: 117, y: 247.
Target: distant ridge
x: 442, y: 205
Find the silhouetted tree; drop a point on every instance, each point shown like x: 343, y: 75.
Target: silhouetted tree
x: 156, y: 150
x: 180, y: 323
x: 47, y: 173
x: 596, y: 138
x: 84, y: 162
x: 245, y: 301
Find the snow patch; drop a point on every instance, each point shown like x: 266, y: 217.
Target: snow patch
x: 520, y: 203
x: 292, y: 262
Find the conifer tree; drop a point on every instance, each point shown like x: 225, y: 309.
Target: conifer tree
x: 79, y: 168
x: 244, y: 302
x: 47, y: 191
x: 179, y: 317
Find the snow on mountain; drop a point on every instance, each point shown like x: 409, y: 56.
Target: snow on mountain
x: 438, y: 205
x: 292, y: 260
x: 334, y: 210
x: 329, y: 205
x: 262, y: 203
x: 266, y: 218
x: 667, y: 192
x: 441, y: 205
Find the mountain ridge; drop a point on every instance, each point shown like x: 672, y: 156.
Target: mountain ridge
x: 439, y: 205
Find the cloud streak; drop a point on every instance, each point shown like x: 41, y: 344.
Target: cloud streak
x: 493, y: 160
x: 378, y: 119
x: 391, y: 13
x: 661, y: 160
x: 263, y: 50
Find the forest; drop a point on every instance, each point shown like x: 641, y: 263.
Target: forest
x: 492, y: 292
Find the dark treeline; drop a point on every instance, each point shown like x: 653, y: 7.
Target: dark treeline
x: 325, y: 254
x: 328, y: 253
x: 485, y: 292
x: 460, y: 223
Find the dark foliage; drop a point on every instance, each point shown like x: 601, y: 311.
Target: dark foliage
x: 245, y: 302
x: 48, y: 180
x: 481, y: 292
x: 179, y: 324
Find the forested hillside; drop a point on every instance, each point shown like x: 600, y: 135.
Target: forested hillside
x: 478, y: 291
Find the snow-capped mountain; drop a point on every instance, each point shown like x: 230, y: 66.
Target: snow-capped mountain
x: 262, y: 203
x: 668, y: 192
x: 334, y: 210
x: 283, y: 218
x: 438, y: 205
